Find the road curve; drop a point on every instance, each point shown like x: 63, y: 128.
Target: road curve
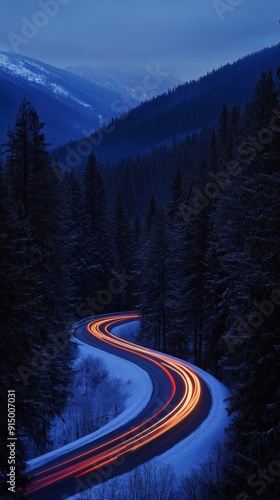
x: 180, y: 402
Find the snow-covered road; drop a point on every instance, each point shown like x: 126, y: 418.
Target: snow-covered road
x: 197, y: 448
x: 138, y: 386
x: 186, y: 455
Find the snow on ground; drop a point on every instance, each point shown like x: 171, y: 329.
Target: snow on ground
x: 128, y: 331
x: 187, y: 455
x: 138, y: 386
x: 196, y: 449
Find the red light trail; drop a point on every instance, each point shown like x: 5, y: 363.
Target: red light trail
x: 172, y: 412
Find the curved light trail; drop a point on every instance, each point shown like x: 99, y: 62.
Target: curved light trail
x: 182, y: 396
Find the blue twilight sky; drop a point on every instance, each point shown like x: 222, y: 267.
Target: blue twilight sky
x: 186, y: 37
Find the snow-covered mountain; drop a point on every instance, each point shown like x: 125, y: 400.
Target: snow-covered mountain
x: 133, y: 87
x: 71, y: 105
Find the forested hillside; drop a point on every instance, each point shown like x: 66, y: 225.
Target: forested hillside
x: 59, y: 247
x: 203, y: 270
x: 140, y: 153
x: 181, y: 111
x: 208, y: 284
x: 36, y: 288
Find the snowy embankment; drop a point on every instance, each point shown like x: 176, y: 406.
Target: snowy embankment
x: 138, y: 386
x: 197, y: 448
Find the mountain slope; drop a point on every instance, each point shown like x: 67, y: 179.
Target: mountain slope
x: 187, y: 108
x: 133, y: 87
x: 69, y: 105
x: 72, y: 105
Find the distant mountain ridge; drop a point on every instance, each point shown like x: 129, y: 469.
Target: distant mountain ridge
x: 71, y: 105
x: 134, y: 87
x: 173, y: 115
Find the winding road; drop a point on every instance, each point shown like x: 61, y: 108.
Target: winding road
x: 180, y: 402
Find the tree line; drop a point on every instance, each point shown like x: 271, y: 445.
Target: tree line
x: 59, y: 246
x: 203, y: 270
x: 180, y: 111
x: 209, y: 282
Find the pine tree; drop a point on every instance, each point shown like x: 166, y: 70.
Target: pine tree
x: 123, y: 243
x: 152, y: 297
x: 195, y: 208
x: 179, y: 330
x: 137, y: 228
x: 248, y: 246
x: 19, y: 324
x: 150, y: 216
x: 97, y: 257
x: 223, y: 129
x: 74, y: 223
x: 39, y: 272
